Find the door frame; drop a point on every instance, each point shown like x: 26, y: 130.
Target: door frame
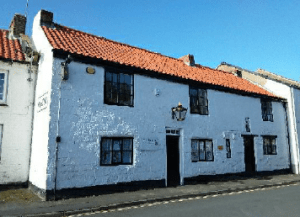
x: 180, y: 161
x: 254, y: 157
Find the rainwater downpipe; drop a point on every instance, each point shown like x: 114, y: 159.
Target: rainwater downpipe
x: 64, y: 76
x: 293, y: 120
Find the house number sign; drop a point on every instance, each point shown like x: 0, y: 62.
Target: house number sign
x: 42, y: 102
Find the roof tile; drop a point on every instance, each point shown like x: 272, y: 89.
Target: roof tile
x: 77, y: 42
x: 10, y: 48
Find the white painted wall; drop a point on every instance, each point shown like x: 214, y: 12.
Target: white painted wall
x: 76, y: 112
x: 288, y: 93
x: 84, y: 119
x: 40, y: 138
x: 16, y: 118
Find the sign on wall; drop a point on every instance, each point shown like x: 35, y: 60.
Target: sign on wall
x: 42, y: 102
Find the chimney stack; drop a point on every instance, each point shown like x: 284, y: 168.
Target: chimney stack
x: 17, y: 25
x: 46, y: 17
x: 188, y: 59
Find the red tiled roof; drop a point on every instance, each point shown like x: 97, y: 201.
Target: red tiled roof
x: 77, y: 42
x: 10, y: 48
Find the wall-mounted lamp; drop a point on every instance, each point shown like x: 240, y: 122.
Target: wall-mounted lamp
x: 65, y: 71
x: 179, y: 112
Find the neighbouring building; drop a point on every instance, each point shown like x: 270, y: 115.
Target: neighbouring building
x: 107, y: 117
x: 18, y: 67
x: 285, y: 88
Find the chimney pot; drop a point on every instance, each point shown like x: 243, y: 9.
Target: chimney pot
x: 188, y: 59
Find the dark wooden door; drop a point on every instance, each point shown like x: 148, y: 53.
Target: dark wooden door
x: 173, y: 176
x: 249, y: 154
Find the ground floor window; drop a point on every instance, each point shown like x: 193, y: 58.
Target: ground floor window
x: 1, y: 133
x: 116, y: 151
x: 228, y: 148
x: 269, y: 145
x: 202, y: 150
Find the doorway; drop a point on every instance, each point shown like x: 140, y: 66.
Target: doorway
x: 173, y: 176
x: 249, y: 154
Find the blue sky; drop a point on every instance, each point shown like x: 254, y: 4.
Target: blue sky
x: 250, y: 34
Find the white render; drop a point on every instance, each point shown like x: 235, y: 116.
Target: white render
x: 76, y: 112
x: 16, y: 117
x: 289, y: 92
x: 39, y: 155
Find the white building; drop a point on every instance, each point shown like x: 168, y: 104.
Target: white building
x: 17, y: 84
x: 104, y: 117
x: 283, y: 87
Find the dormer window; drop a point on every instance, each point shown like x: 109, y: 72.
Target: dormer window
x: 239, y: 73
x: 118, y: 89
x: 266, y: 110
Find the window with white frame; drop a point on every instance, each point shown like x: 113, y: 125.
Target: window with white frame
x: 266, y: 110
x: 1, y: 132
x: 3, y: 86
x: 269, y: 145
x: 116, y: 151
x: 202, y: 150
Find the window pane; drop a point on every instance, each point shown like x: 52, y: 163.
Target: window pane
x: 127, y: 145
x: 195, y: 151
x: 108, y: 92
x: 202, y: 150
x: 127, y: 157
x: 106, y: 154
x: 209, y: 150
x: 116, y: 156
x: 117, y: 145
x: 114, y: 98
x: 193, y: 92
x: 128, y: 79
x: 108, y: 76
x: 122, y: 78
x: 2, y: 75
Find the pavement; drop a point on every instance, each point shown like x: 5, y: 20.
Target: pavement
x: 22, y: 202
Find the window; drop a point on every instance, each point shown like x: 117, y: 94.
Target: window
x: 238, y: 73
x: 228, y: 149
x: 198, y: 101
x: 1, y: 132
x: 269, y: 144
x: 118, y: 89
x: 116, y: 151
x: 3, y: 86
x: 266, y: 110
x: 202, y: 150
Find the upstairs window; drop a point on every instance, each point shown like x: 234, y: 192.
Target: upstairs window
x: 116, y: 151
x: 269, y: 145
x: 198, y: 101
x: 118, y: 89
x: 266, y: 110
x: 3, y: 86
x: 202, y: 150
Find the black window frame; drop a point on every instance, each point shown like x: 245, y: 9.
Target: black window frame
x: 196, y: 107
x: 118, y: 102
x: 112, y: 163
x: 266, y: 110
x: 269, y: 148
x: 205, y: 150
x: 228, y: 148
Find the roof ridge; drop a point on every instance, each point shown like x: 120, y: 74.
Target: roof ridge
x: 272, y: 73
x: 113, y: 41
